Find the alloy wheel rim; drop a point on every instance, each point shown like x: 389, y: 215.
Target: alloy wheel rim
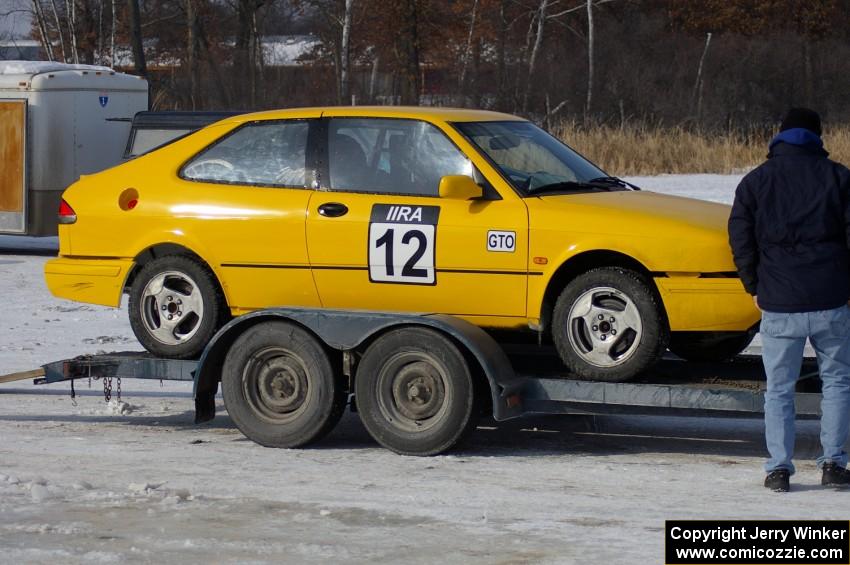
x: 172, y: 307
x: 604, y: 327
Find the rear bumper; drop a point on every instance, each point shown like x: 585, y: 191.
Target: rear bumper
x: 95, y: 281
x: 700, y: 304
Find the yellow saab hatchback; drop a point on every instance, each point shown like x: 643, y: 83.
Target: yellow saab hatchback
x: 475, y: 214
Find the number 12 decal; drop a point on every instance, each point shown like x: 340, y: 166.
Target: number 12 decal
x: 401, y: 244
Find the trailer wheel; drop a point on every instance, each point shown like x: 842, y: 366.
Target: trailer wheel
x: 710, y: 346
x: 609, y: 325
x: 279, y: 386
x: 176, y: 306
x: 415, y: 392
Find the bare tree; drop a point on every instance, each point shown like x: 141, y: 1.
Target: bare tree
x: 345, y: 54
x: 696, y: 97
x: 247, y: 48
x: 58, y: 29
x: 589, y: 101
x: 71, y: 6
x: 501, y: 57
x: 99, y: 31
x: 532, y: 61
x: 373, y: 78
x: 407, y: 52
x: 113, y: 23
x: 42, y: 29
x: 192, y: 48
x: 468, y: 49
x: 136, y: 39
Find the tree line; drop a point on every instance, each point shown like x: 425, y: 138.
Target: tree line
x: 708, y: 64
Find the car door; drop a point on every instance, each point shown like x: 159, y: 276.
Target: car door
x: 380, y: 237
x: 245, y: 198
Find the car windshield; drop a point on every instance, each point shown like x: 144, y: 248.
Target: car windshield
x: 529, y: 157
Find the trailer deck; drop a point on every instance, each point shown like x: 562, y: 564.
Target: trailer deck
x: 734, y: 388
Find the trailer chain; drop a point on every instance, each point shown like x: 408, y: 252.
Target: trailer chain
x: 107, y: 388
x: 119, y: 389
x: 73, y: 394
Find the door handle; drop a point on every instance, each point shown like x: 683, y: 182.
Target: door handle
x: 333, y: 210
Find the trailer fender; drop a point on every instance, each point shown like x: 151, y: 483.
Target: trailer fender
x: 345, y: 330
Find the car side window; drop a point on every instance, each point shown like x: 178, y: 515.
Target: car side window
x: 391, y: 156
x: 267, y: 153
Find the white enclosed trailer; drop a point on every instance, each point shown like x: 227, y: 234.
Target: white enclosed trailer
x: 58, y: 122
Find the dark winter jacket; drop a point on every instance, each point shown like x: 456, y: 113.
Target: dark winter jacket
x: 790, y: 227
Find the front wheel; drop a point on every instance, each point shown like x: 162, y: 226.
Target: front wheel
x: 415, y: 392
x: 609, y: 325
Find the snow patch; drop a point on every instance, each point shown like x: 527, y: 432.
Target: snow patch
x: 143, y: 488
x: 40, y: 493
x: 38, y: 67
x: 118, y: 408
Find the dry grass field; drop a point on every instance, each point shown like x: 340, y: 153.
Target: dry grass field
x: 649, y: 150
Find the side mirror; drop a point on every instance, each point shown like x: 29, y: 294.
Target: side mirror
x: 459, y: 187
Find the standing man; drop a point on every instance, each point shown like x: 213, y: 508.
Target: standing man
x: 790, y: 237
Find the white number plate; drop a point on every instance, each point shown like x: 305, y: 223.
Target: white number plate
x: 401, y: 244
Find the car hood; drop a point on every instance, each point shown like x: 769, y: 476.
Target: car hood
x: 692, y: 233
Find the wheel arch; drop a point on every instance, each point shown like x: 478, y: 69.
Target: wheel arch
x: 341, y: 331
x: 581, y: 263
x: 158, y: 250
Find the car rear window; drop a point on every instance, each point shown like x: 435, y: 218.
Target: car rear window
x: 267, y: 153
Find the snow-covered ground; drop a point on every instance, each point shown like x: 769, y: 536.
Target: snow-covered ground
x: 717, y: 188
x: 86, y: 482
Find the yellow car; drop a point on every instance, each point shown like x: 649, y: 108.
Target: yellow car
x: 476, y: 214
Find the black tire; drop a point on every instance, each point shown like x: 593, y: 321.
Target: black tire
x: 279, y: 386
x: 189, y: 336
x: 638, y: 334
x: 710, y: 346
x: 415, y: 393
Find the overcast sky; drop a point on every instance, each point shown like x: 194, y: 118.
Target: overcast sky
x: 14, y: 18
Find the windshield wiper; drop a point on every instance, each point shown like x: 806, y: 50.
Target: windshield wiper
x: 617, y: 181
x: 570, y: 185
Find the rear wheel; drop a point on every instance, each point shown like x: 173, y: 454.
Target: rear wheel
x: 176, y: 306
x: 609, y: 325
x: 279, y: 386
x: 415, y: 392
x: 710, y: 346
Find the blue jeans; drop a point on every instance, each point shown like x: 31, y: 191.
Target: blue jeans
x: 783, y: 338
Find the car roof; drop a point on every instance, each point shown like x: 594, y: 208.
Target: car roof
x: 427, y: 113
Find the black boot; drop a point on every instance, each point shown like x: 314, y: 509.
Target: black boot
x: 834, y: 476
x: 778, y: 481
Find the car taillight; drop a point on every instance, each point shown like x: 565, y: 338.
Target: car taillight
x: 66, y: 213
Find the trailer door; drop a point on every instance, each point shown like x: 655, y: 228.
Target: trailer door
x: 13, y: 127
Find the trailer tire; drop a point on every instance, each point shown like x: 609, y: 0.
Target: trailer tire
x: 279, y: 386
x: 609, y: 325
x: 708, y: 347
x: 415, y: 393
x: 155, y: 293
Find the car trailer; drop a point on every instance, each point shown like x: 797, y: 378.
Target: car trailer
x: 419, y: 381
